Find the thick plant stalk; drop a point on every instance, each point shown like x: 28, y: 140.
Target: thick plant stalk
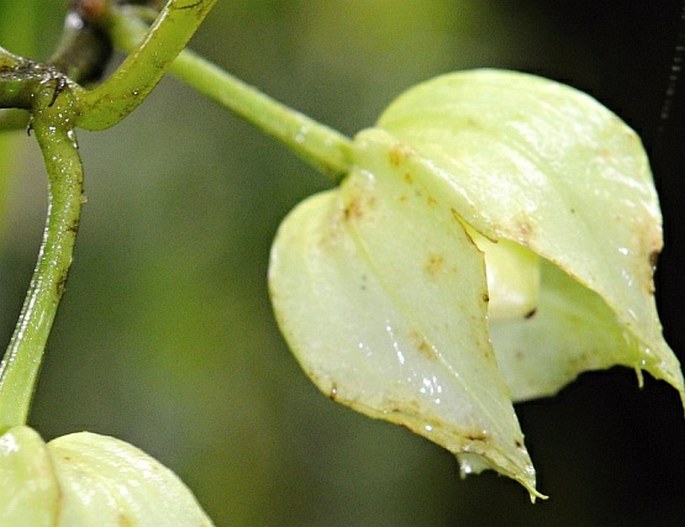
x: 58, y: 105
x: 21, y: 363
x: 138, y: 75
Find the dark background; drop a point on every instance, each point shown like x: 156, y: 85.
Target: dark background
x: 166, y: 337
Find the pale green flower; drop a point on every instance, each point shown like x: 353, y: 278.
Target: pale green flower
x: 495, y: 237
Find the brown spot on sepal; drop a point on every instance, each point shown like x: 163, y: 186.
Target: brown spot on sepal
x: 357, y: 208
x: 653, y: 259
x: 398, y: 154
x: 526, y: 232
x: 477, y: 435
x: 422, y: 345
x: 435, y: 264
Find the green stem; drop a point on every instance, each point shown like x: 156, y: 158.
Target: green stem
x: 142, y: 69
x: 21, y: 363
x: 321, y: 146
x: 324, y: 148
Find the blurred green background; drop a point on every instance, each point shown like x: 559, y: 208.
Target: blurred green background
x: 166, y: 338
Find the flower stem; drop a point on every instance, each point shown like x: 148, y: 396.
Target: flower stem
x: 326, y: 149
x: 136, y: 77
x: 53, y: 127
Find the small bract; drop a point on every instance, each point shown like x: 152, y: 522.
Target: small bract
x: 495, y: 238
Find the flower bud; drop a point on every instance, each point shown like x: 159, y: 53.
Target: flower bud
x: 86, y: 479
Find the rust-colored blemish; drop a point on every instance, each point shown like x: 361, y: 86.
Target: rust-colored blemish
x: 476, y: 435
x: 395, y: 157
x: 398, y: 155
x: 357, y: 208
x: 61, y: 283
x: 485, y: 297
x: 410, y: 407
x: 329, y: 238
x: 408, y: 178
x: 653, y: 259
x: 525, y: 230
x: 488, y: 353
x: 422, y: 345
x: 435, y: 264
x: 333, y: 393
x: 431, y: 201
x: 606, y: 154
x: 650, y: 241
